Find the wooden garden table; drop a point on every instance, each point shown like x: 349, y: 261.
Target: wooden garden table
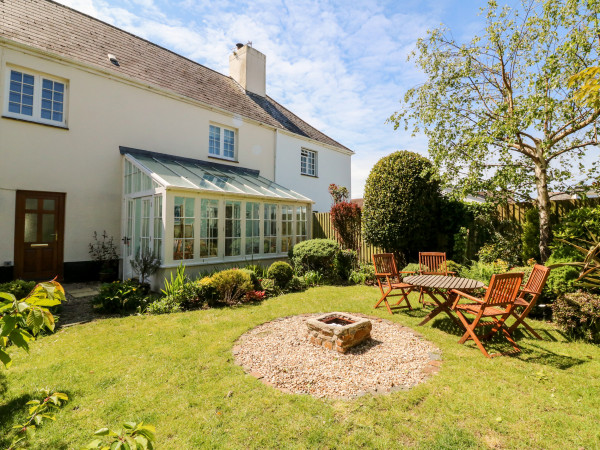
x: 438, y: 288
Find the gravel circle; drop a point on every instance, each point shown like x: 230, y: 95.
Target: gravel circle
x: 280, y: 354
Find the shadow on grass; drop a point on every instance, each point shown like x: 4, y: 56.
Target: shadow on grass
x: 547, y: 357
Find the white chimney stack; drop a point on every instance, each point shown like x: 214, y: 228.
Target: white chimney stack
x: 247, y: 66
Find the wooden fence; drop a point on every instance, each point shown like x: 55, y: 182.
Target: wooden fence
x: 558, y: 208
x: 322, y: 228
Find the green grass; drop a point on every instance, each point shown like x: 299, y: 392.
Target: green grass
x: 175, y: 371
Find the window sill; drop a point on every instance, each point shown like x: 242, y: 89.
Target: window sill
x: 223, y: 260
x: 18, y: 119
x: 310, y: 176
x: 220, y: 158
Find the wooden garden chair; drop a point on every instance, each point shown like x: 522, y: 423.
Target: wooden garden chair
x: 389, y: 279
x: 533, y: 291
x: 497, y: 305
x: 432, y: 263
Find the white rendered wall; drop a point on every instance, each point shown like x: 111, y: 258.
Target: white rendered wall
x: 84, y: 161
x: 332, y: 167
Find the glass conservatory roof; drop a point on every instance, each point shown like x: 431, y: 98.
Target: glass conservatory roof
x: 177, y: 172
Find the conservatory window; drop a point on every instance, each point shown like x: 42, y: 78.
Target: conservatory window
x: 270, y: 229
x: 209, y: 228
x: 145, y: 228
x: 233, y: 228
x: 287, y: 220
x: 158, y: 227
x: 252, y: 228
x: 183, y: 233
x: 301, y: 228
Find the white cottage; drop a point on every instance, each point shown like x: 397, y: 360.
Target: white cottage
x: 102, y: 130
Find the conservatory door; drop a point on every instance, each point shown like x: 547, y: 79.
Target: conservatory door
x: 138, y: 235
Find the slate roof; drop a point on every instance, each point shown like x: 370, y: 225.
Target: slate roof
x: 58, y: 29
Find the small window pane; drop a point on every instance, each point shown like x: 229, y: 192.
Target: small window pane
x: 49, y: 204
x: 48, y: 230
x: 31, y: 203
x: 214, y: 140
x: 27, y: 100
x: 46, y: 114
x: 16, y: 76
x: 59, y: 87
x: 47, y: 104
x: 27, y: 89
x: 31, y: 220
x: 27, y: 110
x: 14, y: 97
x: 58, y: 97
x: 15, y: 87
x: 47, y: 94
x: 47, y: 84
x: 58, y: 117
x: 27, y: 79
x: 14, y: 108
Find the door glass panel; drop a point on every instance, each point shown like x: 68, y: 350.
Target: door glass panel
x: 49, y: 204
x: 48, y: 228
x: 31, y: 221
x: 31, y: 203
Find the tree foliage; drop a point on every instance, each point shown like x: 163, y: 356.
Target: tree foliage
x: 400, y: 204
x: 498, y: 111
x: 21, y: 320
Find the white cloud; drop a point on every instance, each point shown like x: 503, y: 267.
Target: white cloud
x: 341, y: 66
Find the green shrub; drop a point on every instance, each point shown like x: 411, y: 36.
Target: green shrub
x: 365, y: 274
x: 313, y: 278
x: 18, y: 288
x: 345, y: 263
x: 120, y: 296
x: 270, y: 287
x: 187, y: 296
x: 561, y: 279
x: 260, y: 271
x: 281, y: 272
x: 503, y: 246
x: 530, y: 237
x: 453, y: 266
x: 296, y: 284
x: 575, y: 225
x: 253, y: 278
x: 316, y: 255
x: 232, y: 285
x: 412, y: 267
x: 483, y: 271
x: 578, y: 314
x: 401, y: 202
x: 207, y: 290
x: 164, y: 305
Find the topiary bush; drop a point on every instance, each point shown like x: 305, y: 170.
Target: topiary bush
x: 401, y: 201
x: 207, y: 290
x: 281, y: 272
x: 316, y: 255
x: 232, y: 285
x: 578, y: 314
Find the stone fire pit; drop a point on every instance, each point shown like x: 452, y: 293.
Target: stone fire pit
x: 338, y: 331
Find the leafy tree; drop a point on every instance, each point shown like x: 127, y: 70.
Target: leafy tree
x: 530, y: 236
x: 498, y: 110
x: 400, y: 204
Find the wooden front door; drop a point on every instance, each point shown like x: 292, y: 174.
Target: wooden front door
x: 39, y: 235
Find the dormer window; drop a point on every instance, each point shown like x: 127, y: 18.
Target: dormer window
x: 221, y: 142
x: 35, y: 97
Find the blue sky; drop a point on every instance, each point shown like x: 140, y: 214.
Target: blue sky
x: 340, y: 65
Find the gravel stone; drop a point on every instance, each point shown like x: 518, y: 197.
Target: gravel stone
x: 394, y: 358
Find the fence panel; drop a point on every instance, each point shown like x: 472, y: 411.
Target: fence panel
x: 322, y: 229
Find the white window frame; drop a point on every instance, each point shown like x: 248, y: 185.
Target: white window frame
x: 304, y: 163
x: 221, y: 150
x: 37, y: 96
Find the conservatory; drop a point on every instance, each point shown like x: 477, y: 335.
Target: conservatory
x: 201, y: 213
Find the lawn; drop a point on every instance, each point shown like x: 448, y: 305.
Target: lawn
x: 177, y: 372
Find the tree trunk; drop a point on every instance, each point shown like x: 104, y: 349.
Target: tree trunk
x: 543, y: 202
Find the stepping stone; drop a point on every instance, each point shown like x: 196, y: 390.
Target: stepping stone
x: 84, y: 292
